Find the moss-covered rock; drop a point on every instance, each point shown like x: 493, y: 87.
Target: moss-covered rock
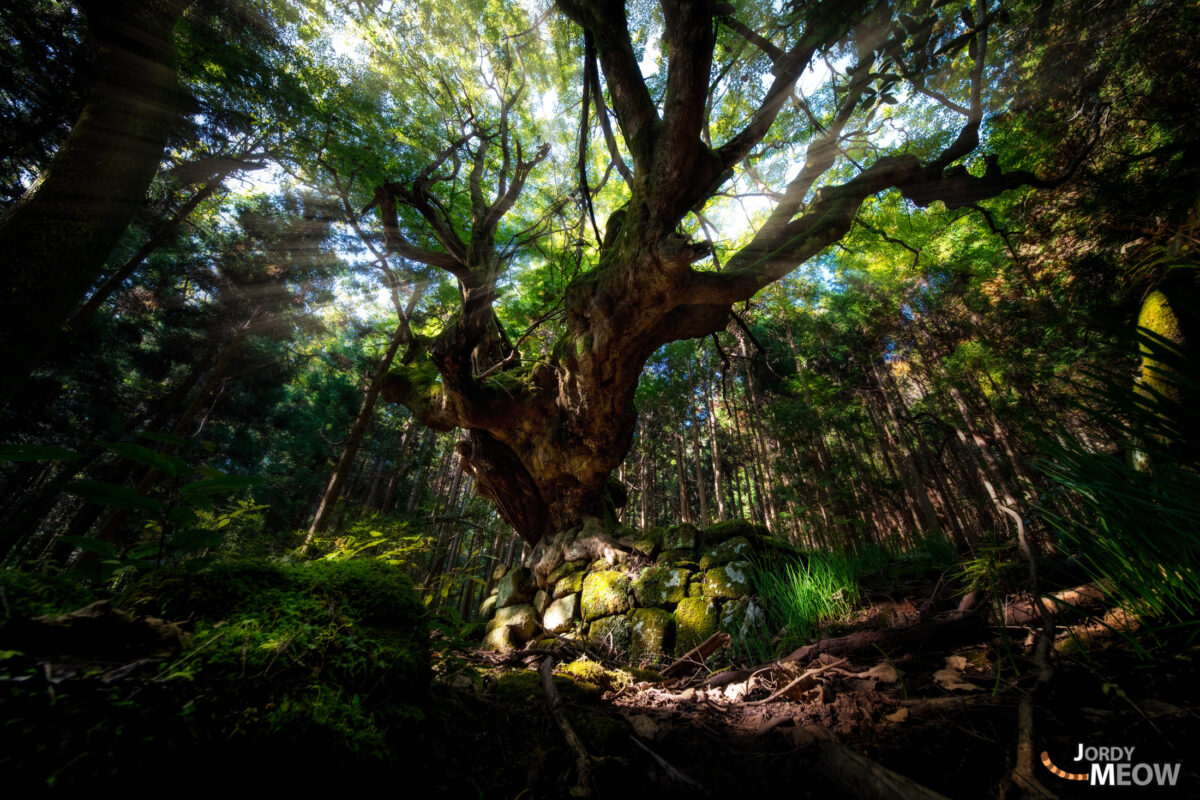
x: 723, y: 531
x: 562, y: 614
x: 611, y: 633
x: 696, y: 619
x: 660, y: 586
x: 522, y: 619
x: 541, y: 601
x: 696, y: 585
x: 652, y: 634
x: 729, y: 581
x: 676, y: 557
x: 605, y: 593
x: 563, y: 570
x: 584, y: 670
x: 515, y: 588
x: 645, y: 546
x: 735, y: 549
x: 742, y: 617
x: 570, y: 584
x: 680, y: 537
x: 648, y: 542
x: 501, y: 640
x: 487, y: 607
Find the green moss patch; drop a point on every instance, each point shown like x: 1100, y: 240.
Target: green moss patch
x: 735, y: 549
x: 729, y: 581
x: 652, y: 635
x: 696, y: 619
x: 661, y: 586
x: 680, y: 537
x: 605, y: 593
x: 322, y: 663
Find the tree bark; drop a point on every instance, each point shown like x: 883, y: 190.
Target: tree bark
x: 542, y: 444
x: 358, y: 430
x: 55, y: 241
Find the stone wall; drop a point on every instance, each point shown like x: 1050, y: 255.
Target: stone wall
x: 651, y: 595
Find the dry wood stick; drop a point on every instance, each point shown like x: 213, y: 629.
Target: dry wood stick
x: 701, y: 651
x: 807, y: 674
x: 583, y: 762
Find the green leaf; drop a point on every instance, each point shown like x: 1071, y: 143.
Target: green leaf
x: 219, y: 484
x: 194, y: 539
x: 113, y: 495
x: 143, y: 551
x: 34, y: 452
x: 90, y: 544
x: 170, y: 465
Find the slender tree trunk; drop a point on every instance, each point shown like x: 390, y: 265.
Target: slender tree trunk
x: 700, y: 490
x: 718, y: 481
x: 912, y: 475
x: 685, y: 511
x: 357, y: 431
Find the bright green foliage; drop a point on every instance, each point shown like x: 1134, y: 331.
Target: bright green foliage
x: 800, y: 597
x: 1139, y: 533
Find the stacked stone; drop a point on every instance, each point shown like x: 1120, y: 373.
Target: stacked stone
x: 697, y: 582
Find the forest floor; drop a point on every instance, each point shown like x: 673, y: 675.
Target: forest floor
x: 315, y: 675
x: 914, y: 698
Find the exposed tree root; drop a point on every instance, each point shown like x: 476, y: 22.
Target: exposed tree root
x: 955, y: 626
x: 583, y: 761
x: 863, y: 778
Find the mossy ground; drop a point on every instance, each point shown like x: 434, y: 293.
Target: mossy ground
x: 322, y: 665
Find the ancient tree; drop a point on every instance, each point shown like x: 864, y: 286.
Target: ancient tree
x: 541, y: 438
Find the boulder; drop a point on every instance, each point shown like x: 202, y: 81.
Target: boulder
x: 571, y: 584
x: 729, y: 581
x: 562, y: 614
x: 541, y: 601
x: 680, y: 537
x: 565, y: 569
x: 523, y: 620
x: 649, y: 542
x: 676, y: 557
x: 661, y: 586
x: 742, y: 617
x: 605, y: 593
x: 611, y: 633
x: 723, y: 531
x: 696, y: 619
x: 515, y: 588
x: 487, y: 607
x: 653, y: 629
x: 500, y: 640
x: 735, y: 549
